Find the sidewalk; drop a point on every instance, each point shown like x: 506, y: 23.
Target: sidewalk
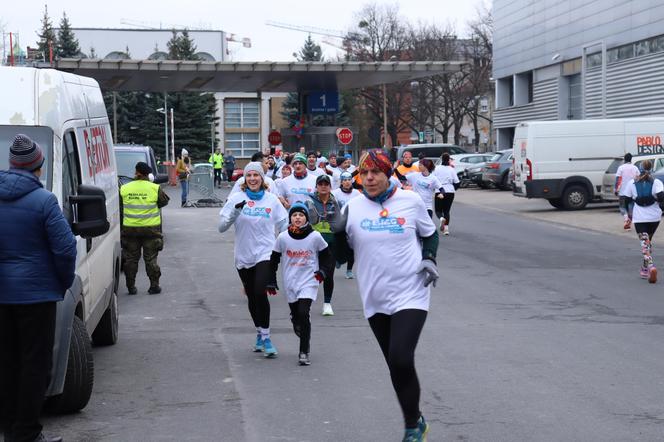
x: 602, y: 217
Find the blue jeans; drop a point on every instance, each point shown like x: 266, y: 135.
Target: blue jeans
x: 184, y: 184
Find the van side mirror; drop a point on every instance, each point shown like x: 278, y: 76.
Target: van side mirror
x: 89, y: 212
x: 160, y: 179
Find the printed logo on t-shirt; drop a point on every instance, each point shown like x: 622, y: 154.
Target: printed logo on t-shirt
x: 261, y: 212
x: 388, y: 224
x: 300, y: 191
x: 298, y: 253
x: 423, y: 184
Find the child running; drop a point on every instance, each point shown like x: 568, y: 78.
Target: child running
x: 307, y: 260
x: 343, y: 194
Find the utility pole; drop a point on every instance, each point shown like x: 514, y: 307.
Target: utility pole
x: 166, y: 124
x: 384, y: 117
x: 172, y: 137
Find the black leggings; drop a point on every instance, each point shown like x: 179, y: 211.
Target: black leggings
x: 217, y: 177
x: 301, y: 322
x: 649, y: 228
x: 350, y: 256
x: 254, y: 280
x: 397, y: 336
x: 443, y: 207
x: 328, y: 287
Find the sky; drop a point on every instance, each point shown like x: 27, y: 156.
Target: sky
x: 244, y: 18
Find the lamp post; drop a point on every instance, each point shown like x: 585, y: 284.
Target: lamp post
x: 162, y: 110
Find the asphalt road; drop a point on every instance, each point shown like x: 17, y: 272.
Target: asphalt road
x: 537, y: 332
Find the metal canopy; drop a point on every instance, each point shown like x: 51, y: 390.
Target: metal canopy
x: 206, y: 76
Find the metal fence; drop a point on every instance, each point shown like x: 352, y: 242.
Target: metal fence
x: 202, y: 191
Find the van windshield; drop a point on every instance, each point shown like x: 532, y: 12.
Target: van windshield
x: 127, y: 160
x: 41, y: 135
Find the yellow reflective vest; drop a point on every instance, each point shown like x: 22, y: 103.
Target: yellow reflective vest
x: 139, y: 204
x: 217, y: 160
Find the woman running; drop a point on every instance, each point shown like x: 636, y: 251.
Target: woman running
x: 255, y: 213
x: 449, y: 179
x: 343, y: 194
x: 425, y: 184
x: 307, y: 260
x: 323, y: 209
x: 647, y: 193
x: 395, y: 243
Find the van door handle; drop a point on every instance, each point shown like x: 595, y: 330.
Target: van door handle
x: 88, y: 244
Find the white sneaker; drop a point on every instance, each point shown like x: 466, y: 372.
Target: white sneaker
x: 446, y: 231
x: 442, y: 223
x: 327, y: 309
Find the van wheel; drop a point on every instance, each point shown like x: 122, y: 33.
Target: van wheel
x: 80, y: 373
x: 575, y: 197
x: 556, y: 202
x: 106, y: 332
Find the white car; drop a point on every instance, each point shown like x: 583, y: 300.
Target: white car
x: 464, y: 161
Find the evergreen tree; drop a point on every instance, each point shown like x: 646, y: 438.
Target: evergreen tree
x: 310, y: 51
x: 47, y: 36
x: 67, y: 42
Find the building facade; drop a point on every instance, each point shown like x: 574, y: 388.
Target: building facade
x: 576, y: 59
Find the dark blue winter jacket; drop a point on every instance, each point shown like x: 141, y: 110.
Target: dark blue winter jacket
x: 37, y: 247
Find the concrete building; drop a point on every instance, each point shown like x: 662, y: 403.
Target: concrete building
x: 580, y: 59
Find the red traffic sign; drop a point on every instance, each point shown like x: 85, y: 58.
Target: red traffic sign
x: 344, y: 135
x: 274, y: 138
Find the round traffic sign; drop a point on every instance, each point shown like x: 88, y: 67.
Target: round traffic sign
x: 344, y: 135
x: 274, y: 138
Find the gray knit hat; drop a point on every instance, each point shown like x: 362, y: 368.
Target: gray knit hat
x: 256, y: 167
x: 25, y: 154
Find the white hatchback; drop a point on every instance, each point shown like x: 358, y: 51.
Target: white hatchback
x: 609, y: 180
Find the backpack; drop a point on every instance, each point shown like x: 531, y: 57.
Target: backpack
x: 644, y: 196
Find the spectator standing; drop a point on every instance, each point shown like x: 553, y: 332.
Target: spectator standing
x: 217, y: 161
x: 183, y: 170
x: 229, y: 166
x: 37, y: 266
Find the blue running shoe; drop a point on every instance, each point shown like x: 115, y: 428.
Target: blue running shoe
x: 423, y: 427
x: 259, y: 343
x: 413, y: 435
x: 269, y: 350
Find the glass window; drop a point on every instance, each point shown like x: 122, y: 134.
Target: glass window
x: 71, y: 173
x: 126, y: 162
x: 233, y: 114
x: 575, y: 99
x: 243, y: 144
x: 41, y: 135
x: 625, y: 52
x: 657, y: 44
x: 642, y: 47
x: 594, y: 60
x: 250, y: 114
x: 484, y: 105
x: 241, y: 114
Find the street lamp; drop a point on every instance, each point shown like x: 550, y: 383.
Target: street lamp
x: 162, y: 110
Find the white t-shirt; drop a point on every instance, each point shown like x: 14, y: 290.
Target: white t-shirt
x: 447, y: 176
x: 336, y: 175
x: 424, y: 186
x: 299, y: 261
x: 388, y: 251
x: 647, y: 214
x: 240, y: 181
x: 343, y: 197
x: 394, y: 180
x: 296, y: 189
x: 254, y: 227
x: 317, y: 171
x: 628, y: 172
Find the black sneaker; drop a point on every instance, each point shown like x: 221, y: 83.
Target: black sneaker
x: 304, y: 359
x: 132, y: 290
x: 154, y: 290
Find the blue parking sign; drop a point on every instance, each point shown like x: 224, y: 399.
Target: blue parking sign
x: 323, y: 102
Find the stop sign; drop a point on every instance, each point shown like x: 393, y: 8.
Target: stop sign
x: 345, y: 135
x: 274, y: 138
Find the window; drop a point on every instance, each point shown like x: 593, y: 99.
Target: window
x: 243, y: 144
x: 642, y: 48
x: 241, y: 114
x: 574, y: 104
x: 657, y: 44
x: 620, y: 53
x: 71, y: 173
x: 594, y: 60
x: 484, y: 105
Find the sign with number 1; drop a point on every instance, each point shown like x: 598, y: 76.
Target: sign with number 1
x: 323, y: 102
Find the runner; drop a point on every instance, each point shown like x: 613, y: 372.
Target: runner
x: 448, y: 177
x: 313, y: 161
x: 260, y: 158
x: 425, y: 184
x: 299, y: 185
x: 647, y: 193
x: 625, y: 173
x: 343, y: 194
x: 255, y: 214
x: 385, y: 227
x: 406, y: 166
x: 323, y: 208
x: 307, y: 262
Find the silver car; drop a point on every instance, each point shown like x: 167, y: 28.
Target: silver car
x: 609, y: 180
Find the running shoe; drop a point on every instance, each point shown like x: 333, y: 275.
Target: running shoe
x: 442, y: 223
x: 446, y: 231
x: 423, y: 427
x: 628, y: 224
x: 269, y: 350
x: 349, y: 274
x: 644, y: 272
x: 652, y: 274
x: 258, y: 347
x: 327, y: 309
x: 304, y: 359
x: 414, y: 435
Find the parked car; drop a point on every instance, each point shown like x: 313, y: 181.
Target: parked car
x: 237, y: 173
x: 462, y: 162
x: 609, y: 180
x: 496, y: 171
x: 430, y: 150
x: 127, y: 155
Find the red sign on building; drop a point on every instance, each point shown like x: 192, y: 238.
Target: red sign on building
x: 344, y: 135
x: 274, y: 138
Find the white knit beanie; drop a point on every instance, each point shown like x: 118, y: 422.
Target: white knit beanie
x: 256, y: 167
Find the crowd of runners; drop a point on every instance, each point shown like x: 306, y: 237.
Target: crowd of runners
x: 310, y: 215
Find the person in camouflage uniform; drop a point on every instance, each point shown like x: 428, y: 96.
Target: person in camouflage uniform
x: 141, y: 227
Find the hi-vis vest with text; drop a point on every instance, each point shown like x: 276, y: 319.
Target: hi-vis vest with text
x: 139, y: 204
x: 217, y: 160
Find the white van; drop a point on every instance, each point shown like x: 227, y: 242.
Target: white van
x: 565, y: 161
x: 66, y: 115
